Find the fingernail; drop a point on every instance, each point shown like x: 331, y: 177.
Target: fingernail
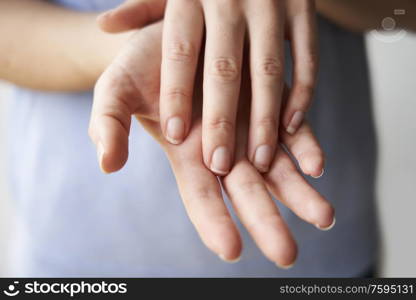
x: 286, y: 267
x: 296, y: 121
x: 221, y: 160
x: 320, y: 175
x: 263, y: 157
x: 100, y: 155
x: 230, y: 261
x: 329, y: 227
x: 175, y: 130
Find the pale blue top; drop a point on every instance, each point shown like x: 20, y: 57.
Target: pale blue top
x: 75, y: 221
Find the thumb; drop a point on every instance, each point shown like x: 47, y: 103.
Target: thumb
x: 131, y: 14
x: 110, y: 121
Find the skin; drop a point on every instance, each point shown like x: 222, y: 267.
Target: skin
x: 130, y: 86
x: 71, y: 59
x: 228, y: 25
x: 61, y: 50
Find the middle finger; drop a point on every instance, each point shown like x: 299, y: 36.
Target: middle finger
x: 266, y: 32
x: 223, y: 59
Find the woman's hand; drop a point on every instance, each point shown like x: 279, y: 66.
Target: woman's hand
x: 228, y: 24
x: 130, y: 86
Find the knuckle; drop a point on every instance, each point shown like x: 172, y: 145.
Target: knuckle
x: 181, y: 51
x: 310, y: 62
x: 270, y: 67
x: 267, y: 128
x: 221, y: 124
x: 176, y: 93
x: 269, y: 123
x: 116, y: 81
x: 117, y: 113
x: 104, y: 84
x: 305, y: 91
x: 225, y: 69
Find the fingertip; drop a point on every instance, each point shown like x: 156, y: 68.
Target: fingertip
x: 230, y: 251
x: 328, y: 227
x: 287, y: 259
x: 226, y: 242
x: 130, y: 15
x: 230, y: 248
x: 286, y: 267
x: 101, y: 18
x: 111, y: 161
x: 263, y: 158
x: 105, y: 21
x: 221, y: 161
x: 290, y: 130
x: 229, y: 260
x: 281, y: 248
x: 312, y: 164
x: 100, y: 157
x: 326, y: 216
x: 295, y: 122
x: 114, y: 163
x: 313, y: 175
x: 175, y: 130
x: 114, y: 20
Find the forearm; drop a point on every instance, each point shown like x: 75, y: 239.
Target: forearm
x: 47, y: 47
x: 362, y: 15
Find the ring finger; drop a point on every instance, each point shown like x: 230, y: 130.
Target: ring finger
x: 266, y: 32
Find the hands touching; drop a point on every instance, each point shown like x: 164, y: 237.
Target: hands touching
x: 131, y: 86
x: 228, y: 25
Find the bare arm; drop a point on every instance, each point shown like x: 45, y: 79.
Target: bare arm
x: 362, y: 15
x: 47, y: 47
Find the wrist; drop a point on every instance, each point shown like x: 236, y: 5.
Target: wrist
x: 100, y: 48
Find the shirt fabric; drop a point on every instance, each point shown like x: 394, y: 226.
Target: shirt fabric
x: 75, y: 221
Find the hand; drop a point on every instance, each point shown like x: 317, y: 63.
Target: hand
x: 130, y: 86
x: 227, y: 24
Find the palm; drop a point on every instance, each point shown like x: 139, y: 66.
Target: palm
x: 131, y: 84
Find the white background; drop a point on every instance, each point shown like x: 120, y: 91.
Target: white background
x: 393, y: 67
